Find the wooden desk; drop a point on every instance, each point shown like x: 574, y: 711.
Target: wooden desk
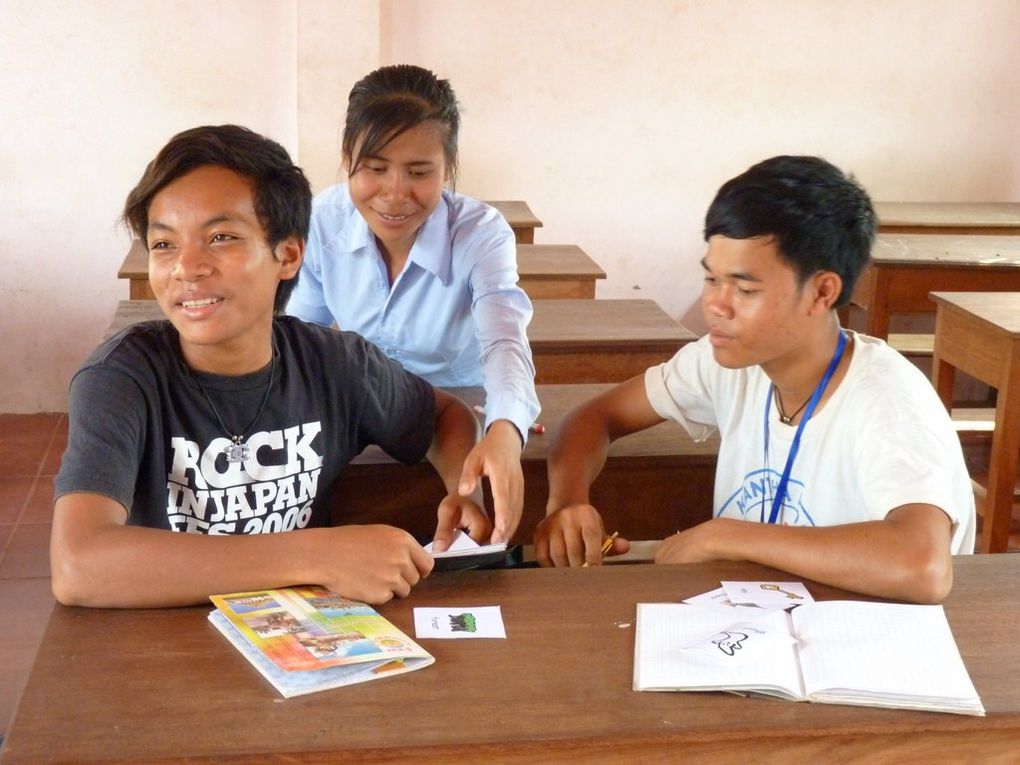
x: 589, y: 341
x: 163, y: 686
x: 550, y: 271
x: 654, y: 482
x: 545, y: 270
x: 575, y: 341
x: 135, y: 268
x: 521, y: 219
x: 979, y: 334
x: 905, y: 268
x: 948, y: 217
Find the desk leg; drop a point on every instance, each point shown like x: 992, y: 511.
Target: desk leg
x: 943, y: 377
x: 1005, y: 455
x: 878, y: 311
x: 139, y: 289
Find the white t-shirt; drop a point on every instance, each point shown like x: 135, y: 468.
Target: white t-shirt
x: 881, y: 441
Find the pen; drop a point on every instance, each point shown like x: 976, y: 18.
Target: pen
x: 536, y: 427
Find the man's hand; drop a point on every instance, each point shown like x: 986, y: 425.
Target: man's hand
x: 374, y: 563
x: 460, y: 513
x: 573, y: 536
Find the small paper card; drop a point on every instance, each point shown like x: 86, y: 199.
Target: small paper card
x: 742, y: 643
x: 464, y: 545
x: 716, y: 597
x: 768, y: 594
x: 448, y: 622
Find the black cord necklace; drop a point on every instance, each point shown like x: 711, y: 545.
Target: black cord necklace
x: 237, y: 451
x: 785, y: 418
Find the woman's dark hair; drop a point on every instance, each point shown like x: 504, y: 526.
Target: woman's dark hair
x: 822, y: 219
x: 392, y: 100
x: 281, y: 194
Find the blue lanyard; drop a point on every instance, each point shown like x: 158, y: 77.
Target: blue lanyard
x: 777, y: 500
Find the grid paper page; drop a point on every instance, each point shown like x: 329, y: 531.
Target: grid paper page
x: 881, y: 649
x: 661, y: 662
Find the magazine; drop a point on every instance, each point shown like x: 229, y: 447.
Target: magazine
x: 307, y: 639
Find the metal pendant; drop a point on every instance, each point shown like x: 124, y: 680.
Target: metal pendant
x: 237, y: 452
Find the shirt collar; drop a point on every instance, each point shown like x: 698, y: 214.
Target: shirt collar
x: 432, y: 247
x: 357, y: 235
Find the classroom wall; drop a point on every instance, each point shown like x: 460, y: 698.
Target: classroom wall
x: 91, y: 90
x: 615, y: 120
x: 618, y: 121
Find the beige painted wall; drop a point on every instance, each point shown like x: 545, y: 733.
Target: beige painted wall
x: 615, y: 119
x: 618, y: 120
x: 91, y: 90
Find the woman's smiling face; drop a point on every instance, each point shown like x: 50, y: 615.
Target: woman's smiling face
x: 397, y: 188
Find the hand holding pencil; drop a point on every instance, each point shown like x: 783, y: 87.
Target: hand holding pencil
x: 575, y: 535
x: 607, y: 545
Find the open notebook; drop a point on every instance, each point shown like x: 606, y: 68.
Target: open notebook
x: 833, y: 652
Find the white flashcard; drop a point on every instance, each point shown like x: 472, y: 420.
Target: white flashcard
x: 768, y: 594
x: 463, y: 545
x: 716, y: 597
x: 742, y: 643
x: 451, y: 622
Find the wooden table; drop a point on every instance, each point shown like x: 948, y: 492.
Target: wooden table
x: 546, y: 271
x: 588, y: 341
x: 519, y: 216
x: 576, y: 341
x: 905, y: 268
x: 162, y: 686
x: 948, y: 217
x: 135, y: 269
x: 979, y: 334
x: 549, y: 271
x: 636, y: 492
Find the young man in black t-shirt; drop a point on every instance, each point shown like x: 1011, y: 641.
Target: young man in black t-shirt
x: 228, y: 423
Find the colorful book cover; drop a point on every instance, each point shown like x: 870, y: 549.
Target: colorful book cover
x: 304, y: 639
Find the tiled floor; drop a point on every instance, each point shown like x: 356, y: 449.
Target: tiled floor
x: 30, y: 450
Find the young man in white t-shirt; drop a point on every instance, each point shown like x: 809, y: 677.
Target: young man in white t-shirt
x: 837, y: 461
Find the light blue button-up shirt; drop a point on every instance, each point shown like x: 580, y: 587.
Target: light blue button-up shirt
x: 454, y: 315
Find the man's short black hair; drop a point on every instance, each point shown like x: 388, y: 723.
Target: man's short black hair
x: 282, y: 195
x: 821, y: 218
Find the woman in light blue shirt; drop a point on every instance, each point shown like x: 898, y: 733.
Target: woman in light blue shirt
x: 428, y: 275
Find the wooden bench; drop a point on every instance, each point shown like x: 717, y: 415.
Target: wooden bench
x: 572, y: 341
x: 546, y: 271
x: 654, y: 482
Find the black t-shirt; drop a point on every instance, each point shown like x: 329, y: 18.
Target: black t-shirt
x: 143, y: 432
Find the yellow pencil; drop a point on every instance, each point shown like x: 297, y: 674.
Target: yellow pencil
x: 606, y: 546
